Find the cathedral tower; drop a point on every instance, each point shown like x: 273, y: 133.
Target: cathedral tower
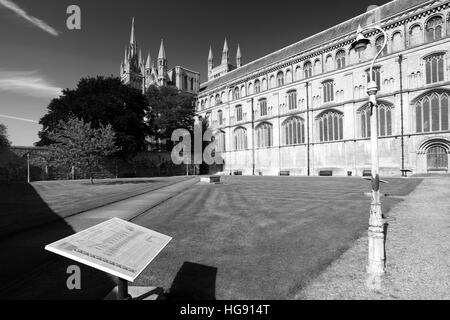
x: 162, y: 65
x: 131, y: 69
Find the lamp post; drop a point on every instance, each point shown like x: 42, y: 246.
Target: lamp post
x: 376, y: 264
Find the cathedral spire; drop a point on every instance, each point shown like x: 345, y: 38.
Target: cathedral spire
x: 225, y: 46
x: 133, y: 36
x: 149, y: 61
x: 238, y: 57
x: 210, y: 55
x: 210, y: 60
x: 225, y: 57
x: 162, y: 52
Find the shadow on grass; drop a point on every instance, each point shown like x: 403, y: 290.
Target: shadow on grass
x: 113, y: 183
x: 194, y: 282
x: 28, y: 272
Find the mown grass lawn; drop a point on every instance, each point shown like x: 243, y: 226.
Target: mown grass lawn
x: 259, y: 237
x: 26, y: 205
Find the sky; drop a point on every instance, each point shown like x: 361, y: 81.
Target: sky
x: 39, y: 55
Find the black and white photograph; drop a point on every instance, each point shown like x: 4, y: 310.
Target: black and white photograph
x: 216, y: 157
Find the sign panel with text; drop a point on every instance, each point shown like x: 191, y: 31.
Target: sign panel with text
x: 117, y: 247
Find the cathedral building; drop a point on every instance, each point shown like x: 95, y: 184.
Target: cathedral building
x: 303, y: 110
x: 141, y: 74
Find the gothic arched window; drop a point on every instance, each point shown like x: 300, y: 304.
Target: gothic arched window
x: 434, y: 28
x: 240, y: 139
x: 379, y: 43
x: 280, y: 79
x: 330, y: 126
x: 434, y: 67
x: 340, y: 59
x: 236, y: 93
x: 257, y: 86
x: 220, y: 141
x: 217, y: 100
x: 307, y: 68
x: 264, y: 84
x: 243, y: 91
x: 432, y: 113
x: 264, y: 135
x: 250, y: 88
x: 385, y: 111
x: 293, y: 131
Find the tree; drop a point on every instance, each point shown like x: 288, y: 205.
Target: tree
x: 4, y: 142
x: 102, y: 101
x: 78, y: 144
x: 169, y: 109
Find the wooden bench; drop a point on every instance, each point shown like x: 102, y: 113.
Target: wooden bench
x: 367, y: 173
x: 326, y: 173
x: 285, y: 173
x: 237, y: 173
x: 405, y: 172
x: 214, y: 179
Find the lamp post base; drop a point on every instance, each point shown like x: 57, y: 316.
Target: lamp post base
x: 376, y: 264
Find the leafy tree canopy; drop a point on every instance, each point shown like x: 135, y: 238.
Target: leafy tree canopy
x: 78, y: 144
x: 169, y: 109
x: 101, y: 101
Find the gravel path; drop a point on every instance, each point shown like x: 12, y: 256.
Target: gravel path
x: 417, y: 252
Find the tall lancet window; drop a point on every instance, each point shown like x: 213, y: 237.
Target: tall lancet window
x: 340, y: 59
x: 257, y: 86
x: 307, y: 69
x: 280, y: 79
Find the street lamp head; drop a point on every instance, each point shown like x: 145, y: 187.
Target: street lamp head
x: 361, y: 41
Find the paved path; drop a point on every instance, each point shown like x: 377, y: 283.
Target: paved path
x: 29, y: 272
x: 417, y: 250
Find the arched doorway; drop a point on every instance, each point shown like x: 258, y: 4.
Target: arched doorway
x: 437, y: 159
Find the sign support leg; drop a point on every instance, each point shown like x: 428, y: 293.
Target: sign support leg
x: 122, y: 290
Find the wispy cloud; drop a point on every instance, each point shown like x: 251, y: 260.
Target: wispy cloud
x: 28, y: 83
x: 35, y: 21
x: 17, y: 118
